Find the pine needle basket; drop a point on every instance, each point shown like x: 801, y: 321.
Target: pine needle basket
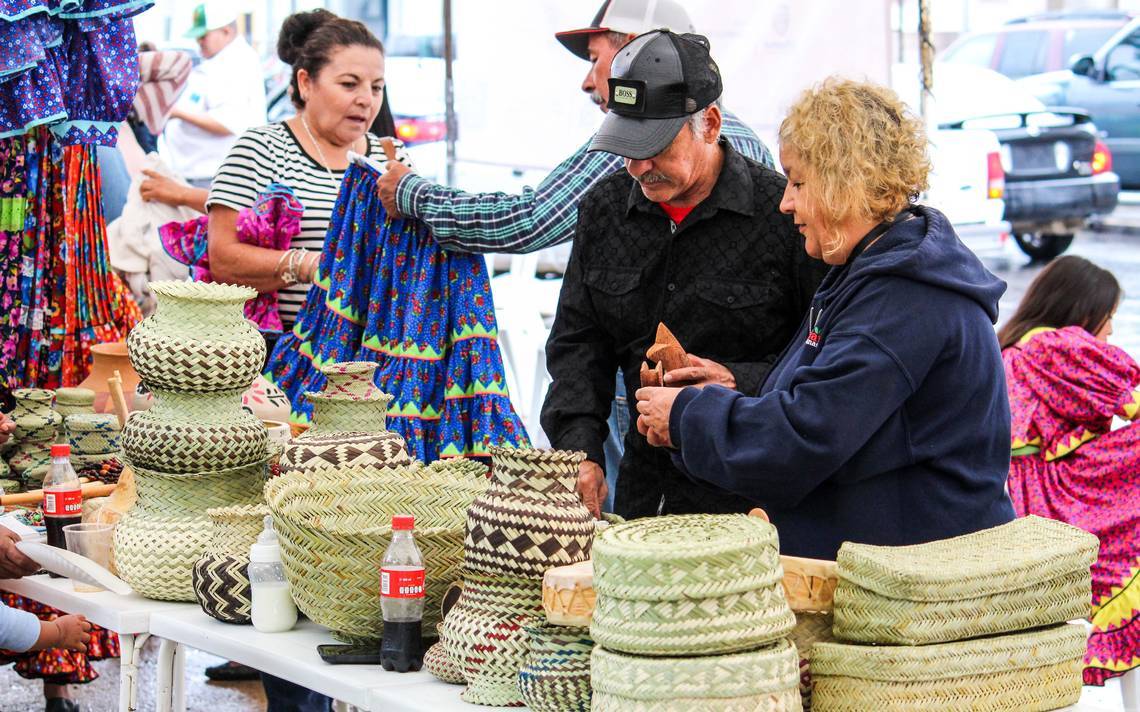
x: 1034, y: 670
x: 689, y: 585
x: 334, y: 526
x: 766, y: 679
x: 1027, y: 573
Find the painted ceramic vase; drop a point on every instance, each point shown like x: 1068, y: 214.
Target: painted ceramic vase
x: 198, y: 340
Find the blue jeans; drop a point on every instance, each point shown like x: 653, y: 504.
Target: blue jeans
x: 284, y: 696
x: 614, y: 446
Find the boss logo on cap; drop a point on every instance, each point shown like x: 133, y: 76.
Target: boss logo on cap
x: 625, y: 95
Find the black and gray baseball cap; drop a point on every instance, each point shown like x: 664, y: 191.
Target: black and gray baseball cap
x: 657, y: 81
x: 629, y: 17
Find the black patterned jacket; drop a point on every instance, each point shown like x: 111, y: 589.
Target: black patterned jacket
x: 732, y: 282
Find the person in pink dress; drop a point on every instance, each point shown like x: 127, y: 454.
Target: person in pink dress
x: 1066, y: 384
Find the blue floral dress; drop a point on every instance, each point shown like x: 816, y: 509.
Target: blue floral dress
x: 386, y: 292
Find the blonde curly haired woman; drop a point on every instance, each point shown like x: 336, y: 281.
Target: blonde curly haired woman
x: 886, y: 420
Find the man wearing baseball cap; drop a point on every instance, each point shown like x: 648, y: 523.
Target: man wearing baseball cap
x: 224, y: 97
x: 689, y: 235
x: 544, y: 216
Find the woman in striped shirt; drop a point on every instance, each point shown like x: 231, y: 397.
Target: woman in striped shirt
x: 337, y: 87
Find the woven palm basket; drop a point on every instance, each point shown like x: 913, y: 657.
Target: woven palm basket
x: 195, y: 342
x: 220, y: 580
x: 1027, y: 573
x: 191, y: 433
x: 73, y: 401
x: 765, y: 680
x: 556, y: 676
x: 32, y: 401
x: 334, y: 526
x: 811, y: 628
x: 158, y: 540
x: 697, y: 584
x: 1035, y: 670
x: 93, y: 433
x: 332, y: 451
x: 440, y: 665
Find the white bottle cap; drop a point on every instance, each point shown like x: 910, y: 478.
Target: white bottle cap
x: 267, y: 549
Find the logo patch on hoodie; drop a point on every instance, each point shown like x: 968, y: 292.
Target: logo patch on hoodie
x: 814, y: 335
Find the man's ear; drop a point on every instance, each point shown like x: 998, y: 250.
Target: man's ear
x: 713, y: 120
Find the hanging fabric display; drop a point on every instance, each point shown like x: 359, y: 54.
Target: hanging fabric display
x: 70, y: 64
x: 272, y: 222
x: 386, y: 292
x: 64, y: 298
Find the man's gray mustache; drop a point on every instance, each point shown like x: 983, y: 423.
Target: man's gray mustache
x: 652, y: 178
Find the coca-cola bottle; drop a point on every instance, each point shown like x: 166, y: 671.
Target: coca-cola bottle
x: 63, y: 498
x: 402, y: 598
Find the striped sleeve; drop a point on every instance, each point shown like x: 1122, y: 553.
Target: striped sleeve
x: 247, y: 170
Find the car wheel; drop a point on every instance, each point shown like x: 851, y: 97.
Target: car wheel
x: 1042, y: 247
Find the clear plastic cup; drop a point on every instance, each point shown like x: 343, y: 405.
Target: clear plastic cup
x: 92, y: 541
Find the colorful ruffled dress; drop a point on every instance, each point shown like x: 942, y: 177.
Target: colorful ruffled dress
x: 386, y: 292
x: 1068, y: 464
x: 272, y: 222
x: 71, y: 64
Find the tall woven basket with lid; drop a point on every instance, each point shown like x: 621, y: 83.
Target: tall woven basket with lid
x: 528, y: 520
x: 220, y: 580
x: 350, y: 401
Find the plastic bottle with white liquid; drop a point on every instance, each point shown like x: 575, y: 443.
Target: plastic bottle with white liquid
x: 272, y: 610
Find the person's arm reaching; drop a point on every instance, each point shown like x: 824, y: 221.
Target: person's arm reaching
x: 202, y: 121
x: 582, y: 361
x: 501, y: 222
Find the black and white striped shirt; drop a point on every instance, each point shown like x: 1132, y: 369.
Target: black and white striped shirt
x: 272, y: 153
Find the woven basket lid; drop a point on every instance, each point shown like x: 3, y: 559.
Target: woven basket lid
x: 1011, y: 556
x: 93, y: 422
x: 324, y: 451
x: 691, y: 555
x: 203, y: 291
x: 911, y: 663
x: 74, y: 396
x: 768, y: 670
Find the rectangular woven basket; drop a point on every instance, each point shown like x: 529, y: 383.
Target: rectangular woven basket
x: 1033, y: 670
x: 1028, y: 573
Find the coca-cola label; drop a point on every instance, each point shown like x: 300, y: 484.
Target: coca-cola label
x: 402, y: 582
x: 63, y: 503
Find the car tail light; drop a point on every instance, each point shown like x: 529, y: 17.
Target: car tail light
x: 1102, y: 158
x: 995, y: 176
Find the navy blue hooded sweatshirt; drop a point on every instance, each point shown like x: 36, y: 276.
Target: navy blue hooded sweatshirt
x: 886, y: 420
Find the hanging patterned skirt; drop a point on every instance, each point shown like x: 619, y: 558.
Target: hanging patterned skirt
x: 56, y: 665
x: 386, y: 292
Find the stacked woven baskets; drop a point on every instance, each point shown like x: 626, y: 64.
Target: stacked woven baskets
x: 37, y: 425
x: 527, y: 521
x: 691, y: 614
x: 73, y: 401
x: 93, y: 437
x: 196, y: 449
x: 926, y: 609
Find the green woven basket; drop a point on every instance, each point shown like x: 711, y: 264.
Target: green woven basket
x: 93, y: 433
x: 1035, y: 670
x: 689, y: 585
x: 32, y: 401
x: 556, y: 675
x: 186, y: 432
x: 334, y: 526
x: 1027, y: 573
x: 158, y: 540
x: 765, y: 679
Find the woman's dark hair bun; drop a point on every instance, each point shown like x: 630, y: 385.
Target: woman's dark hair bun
x: 296, y: 29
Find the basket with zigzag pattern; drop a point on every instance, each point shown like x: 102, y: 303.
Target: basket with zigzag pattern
x: 766, y: 679
x: 1027, y: 573
x: 333, y: 527
x: 556, y: 675
x: 1034, y: 670
x: 689, y: 585
x: 220, y: 580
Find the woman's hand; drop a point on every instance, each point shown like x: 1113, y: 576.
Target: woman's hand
x: 14, y: 563
x: 158, y: 188
x: 7, y: 427
x: 701, y: 372
x: 654, y: 406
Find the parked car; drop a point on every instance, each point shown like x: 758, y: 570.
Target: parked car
x: 967, y: 180
x: 1036, y: 44
x: 1106, y: 84
x: 1057, y: 171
